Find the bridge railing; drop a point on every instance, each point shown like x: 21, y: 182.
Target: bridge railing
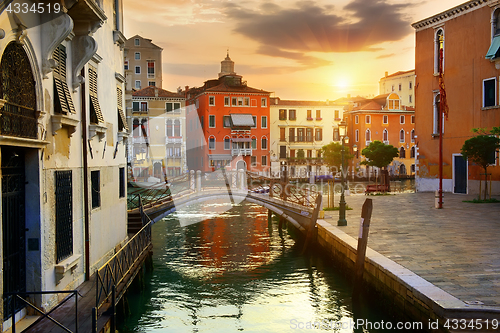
x: 118, y: 271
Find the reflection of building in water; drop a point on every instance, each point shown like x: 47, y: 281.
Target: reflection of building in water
x: 158, y: 144
x: 243, y: 245
x: 232, y: 119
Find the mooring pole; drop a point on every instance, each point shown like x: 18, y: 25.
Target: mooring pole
x: 364, y: 228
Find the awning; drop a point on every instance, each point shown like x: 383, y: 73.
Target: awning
x: 242, y: 120
x: 219, y: 157
x: 241, y: 140
x: 495, y: 45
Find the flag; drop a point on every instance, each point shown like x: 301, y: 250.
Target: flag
x: 442, y: 92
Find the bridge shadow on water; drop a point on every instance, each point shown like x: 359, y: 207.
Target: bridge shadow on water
x: 238, y: 272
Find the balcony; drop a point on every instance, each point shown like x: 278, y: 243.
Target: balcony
x: 139, y: 140
x: 241, y: 152
x: 173, y: 139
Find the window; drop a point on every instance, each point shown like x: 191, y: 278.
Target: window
x: 246, y: 101
x: 309, y: 153
x: 309, y: 135
x: 336, y: 136
x: 135, y: 106
x: 412, y: 152
x: 64, y: 215
x: 410, y: 99
x: 392, y: 87
x: 211, y: 100
x: 291, y: 134
x: 309, y: 115
x: 282, y: 134
x: 402, y: 152
x: 439, y: 51
x: 410, y: 85
x: 227, y: 143
x: 202, y: 121
x: 226, y: 101
x: 263, y: 102
x: 300, y: 135
x: 412, y: 136
x: 282, y: 114
x: 282, y: 151
x: 211, y: 121
x: 385, y: 136
x: 400, y: 87
x: 151, y: 84
x: 385, y: 119
x: 137, y: 69
x: 437, y: 114
x: 412, y: 168
x: 170, y: 131
x: 240, y: 101
x: 122, y: 119
x: 401, y: 119
x: 95, y: 109
x: 253, y: 160
x: 367, y: 119
x: 368, y: 135
x: 137, y: 84
x: 356, y: 119
x: 264, y: 160
x: 263, y: 143
x: 254, y: 143
x: 292, y: 115
x: 413, y: 119
x: 125, y: 65
x: 254, y: 118
x: 121, y: 180
x: 137, y: 55
x: 263, y: 122
x: 234, y: 101
x: 151, y: 69
x: 211, y: 143
x: 95, y: 180
x: 136, y: 42
x: 337, y: 115
x: 318, y: 114
x: 227, y: 121
x: 292, y: 153
x: 402, y: 136
x: 356, y: 135
x: 489, y: 92
x: 64, y: 102
x: 177, y: 128
x: 144, y: 107
x: 319, y: 134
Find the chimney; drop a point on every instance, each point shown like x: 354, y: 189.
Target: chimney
x: 156, y: 92
x: 386, y: 74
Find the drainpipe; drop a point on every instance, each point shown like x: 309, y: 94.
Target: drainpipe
x: 85, y: 179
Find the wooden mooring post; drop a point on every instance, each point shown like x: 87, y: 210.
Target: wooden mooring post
x: 364, y: 228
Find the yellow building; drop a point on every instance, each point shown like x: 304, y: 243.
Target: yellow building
x: 402, y: 83
x: 302, y: 126
x: 157, y: 148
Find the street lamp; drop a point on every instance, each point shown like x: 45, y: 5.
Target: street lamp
x: 355, y: 150
x: 345, y: 139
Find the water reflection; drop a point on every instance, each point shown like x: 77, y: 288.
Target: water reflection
x: 234, y: 272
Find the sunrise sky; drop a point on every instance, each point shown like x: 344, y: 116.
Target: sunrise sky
x: 309, y: 50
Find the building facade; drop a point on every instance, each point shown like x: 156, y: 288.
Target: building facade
x: 470, y: 71
x: 383, y: 118
x: 228, y: 124
x: 402, y: 83
x: 157, y: 147
x: 62, y: 132
x: 302, y: 128
x: 142, y: 63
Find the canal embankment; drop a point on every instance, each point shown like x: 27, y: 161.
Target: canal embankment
x: 432, y: 264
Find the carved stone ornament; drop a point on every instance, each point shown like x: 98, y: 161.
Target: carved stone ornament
x: 54, y: 32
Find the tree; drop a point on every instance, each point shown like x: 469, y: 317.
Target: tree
x: 481, y: 150
x: 300, y: 154
x: 379, y: 154
x: 332, y: 155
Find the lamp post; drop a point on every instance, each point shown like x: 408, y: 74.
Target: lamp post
x: 355, y: 150
x: 343, y: 133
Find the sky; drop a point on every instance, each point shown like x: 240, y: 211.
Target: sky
x: 300, y: 50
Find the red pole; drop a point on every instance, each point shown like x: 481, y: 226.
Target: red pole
x: 440, y: 203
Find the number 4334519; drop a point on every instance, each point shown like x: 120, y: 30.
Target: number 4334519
x: 36, y: 8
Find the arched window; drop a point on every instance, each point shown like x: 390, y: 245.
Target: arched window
x: 412, y: 152
x: 169, y: 128
x: 254, y: 143
x: 263, y: 143
x: 17, y: 89
x: 393, y: 101
x: 402, y: 136
x: 368, y: 135
x: 135, y: 128
x: 211, y: 143
x: 227, y: 143
x: 356, y: 134
x: 412, y: 135
x: 385, y: 136
x: 177, y: 127
x: 439, y: 51
x: 437, y: 114
x: 402, y: 152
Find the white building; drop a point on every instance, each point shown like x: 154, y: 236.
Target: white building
x: 402, y: 83
x: 62, y: 133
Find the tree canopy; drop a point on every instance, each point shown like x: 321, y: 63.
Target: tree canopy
x: 481, y: 150
x: 332, y: 154
x: 379, y: 154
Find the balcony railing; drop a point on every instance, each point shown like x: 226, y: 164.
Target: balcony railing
x: 241, y: 152
x: 173, y: 140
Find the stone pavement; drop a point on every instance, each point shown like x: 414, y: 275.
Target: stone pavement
x: 456, y: 248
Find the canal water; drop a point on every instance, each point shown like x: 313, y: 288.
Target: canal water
x: 235, y: 272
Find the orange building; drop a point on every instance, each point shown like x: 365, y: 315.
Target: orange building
x: 468, y: 37
x: 384, y: 119
x: 228, y: 124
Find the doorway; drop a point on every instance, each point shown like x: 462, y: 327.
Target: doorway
x: 459, y: 174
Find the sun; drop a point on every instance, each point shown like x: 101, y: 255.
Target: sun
x: 342, y: 82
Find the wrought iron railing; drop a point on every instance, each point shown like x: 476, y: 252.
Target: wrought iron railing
x: 18, y: 297
x: 117, y: 271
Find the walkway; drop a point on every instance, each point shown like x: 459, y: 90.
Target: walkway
x: 456, y: 248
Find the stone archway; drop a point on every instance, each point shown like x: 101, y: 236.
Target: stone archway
x: 241, y: 165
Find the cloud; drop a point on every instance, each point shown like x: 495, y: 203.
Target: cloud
x: 308, y: 27
x: 385, y: 56
x: 304, y: 60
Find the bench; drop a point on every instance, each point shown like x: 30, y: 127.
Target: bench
x: 376, y: 188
